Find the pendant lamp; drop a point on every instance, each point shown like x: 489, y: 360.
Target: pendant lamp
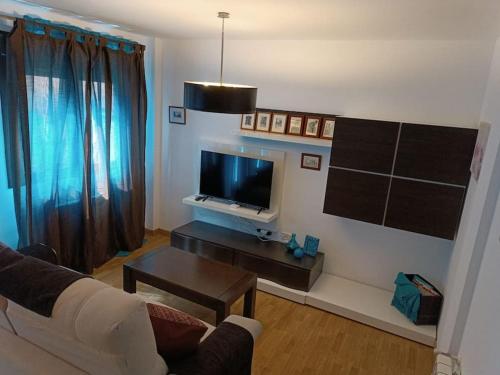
x: 218, y: 96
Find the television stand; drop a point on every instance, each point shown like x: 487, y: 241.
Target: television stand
x: 269, y: 260
x: 266, y: 216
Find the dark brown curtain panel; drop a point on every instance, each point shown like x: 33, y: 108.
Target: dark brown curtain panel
x: 75, y: 141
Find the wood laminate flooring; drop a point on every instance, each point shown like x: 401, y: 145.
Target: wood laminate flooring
x: 298, y: 339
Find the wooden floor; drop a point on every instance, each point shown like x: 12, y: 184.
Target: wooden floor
x: 299, y: 339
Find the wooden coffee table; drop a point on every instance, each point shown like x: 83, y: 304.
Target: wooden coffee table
x: 209, y: 283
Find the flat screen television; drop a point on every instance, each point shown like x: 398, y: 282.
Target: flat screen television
x: 238, y: 179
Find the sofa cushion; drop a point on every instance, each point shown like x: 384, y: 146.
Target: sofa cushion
x: 176, y: 333
x: 149, y: 298
x: 97, y: 328
x: 20, y: 357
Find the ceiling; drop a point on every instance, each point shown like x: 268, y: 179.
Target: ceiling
x: 295, y: 19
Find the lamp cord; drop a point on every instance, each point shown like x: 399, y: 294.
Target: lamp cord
x: 222, y: 52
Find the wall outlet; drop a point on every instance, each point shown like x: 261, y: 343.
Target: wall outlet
x: 285, y: 237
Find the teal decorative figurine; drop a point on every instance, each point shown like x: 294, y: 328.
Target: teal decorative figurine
x: 292, y: 244
x: 298, y: 253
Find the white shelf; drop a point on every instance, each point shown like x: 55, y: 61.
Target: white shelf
x: 362, y: 303
x: 318, y: 142
x: 271, y: 287
x: 248, y: 213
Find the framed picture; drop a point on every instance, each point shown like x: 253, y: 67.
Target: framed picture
x: 479, y: 149
x: 312, y: 128
x: 295, y: 125
x: 248, y: 121
x: 278, y: 123
x: 327, y: 128
x: 263, y: 121
x: 311, y: 161
x: 311, y: 245
x: 177, y: 115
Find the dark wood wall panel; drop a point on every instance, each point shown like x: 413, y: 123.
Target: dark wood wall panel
x: 422, y: 207
x: 364, y: 144
x: 435, y: 153
x: 356, y: 195
x: 429, y: 180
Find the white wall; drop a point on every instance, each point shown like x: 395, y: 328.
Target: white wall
x: 479, y: 346
x: 438, y: 82
x: 473, y: 255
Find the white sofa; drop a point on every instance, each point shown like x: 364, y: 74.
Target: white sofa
x: 94, y: 329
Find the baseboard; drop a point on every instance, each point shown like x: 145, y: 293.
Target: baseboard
x: 152, y: 232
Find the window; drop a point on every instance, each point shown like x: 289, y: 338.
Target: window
x: 57, y: 140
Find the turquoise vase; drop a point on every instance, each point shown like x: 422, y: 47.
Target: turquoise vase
x: 292, y: 244
x: 298, y: 253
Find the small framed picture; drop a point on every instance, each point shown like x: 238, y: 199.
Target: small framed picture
x: 278, y: 123
x: 295, y: 125
x: 248, y: 121
x: 312, y: 126
x: 311, y: 161
x: 311, y: 245
x: 177, y: 115
x: 328, y: 128
x: 263, y: 123
x: 479, y: 150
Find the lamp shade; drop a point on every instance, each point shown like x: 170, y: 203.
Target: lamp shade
x: 220, y: 98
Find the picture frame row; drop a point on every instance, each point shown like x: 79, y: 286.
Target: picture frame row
x: 296, y: 124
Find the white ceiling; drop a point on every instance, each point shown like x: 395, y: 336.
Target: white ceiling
x: 296, y: 19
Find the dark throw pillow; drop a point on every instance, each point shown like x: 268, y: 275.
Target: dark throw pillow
x: 176, y: 333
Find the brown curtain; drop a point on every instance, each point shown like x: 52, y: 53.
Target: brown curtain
x: 75, y: 140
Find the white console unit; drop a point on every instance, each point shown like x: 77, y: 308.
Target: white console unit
x: 363, y: 303
x: 264, y: 216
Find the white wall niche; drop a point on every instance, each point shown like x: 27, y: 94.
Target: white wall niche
x: 278, y: 159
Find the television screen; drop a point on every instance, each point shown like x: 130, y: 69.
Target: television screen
x: 236, y: 178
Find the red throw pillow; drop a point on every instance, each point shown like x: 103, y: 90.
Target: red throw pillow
x: 176, y: 333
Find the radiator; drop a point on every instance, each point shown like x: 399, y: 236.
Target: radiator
x: 446, y: 365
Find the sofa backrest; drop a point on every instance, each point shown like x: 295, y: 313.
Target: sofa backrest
x: 95, y: 327
x: 4, y: 321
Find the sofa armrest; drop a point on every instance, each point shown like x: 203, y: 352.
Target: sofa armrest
x: 251, y: 325
x: 40, y: 251
x: 227, y: 351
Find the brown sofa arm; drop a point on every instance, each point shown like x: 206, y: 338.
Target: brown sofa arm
x: 40, y: 251
x: 227, y: 351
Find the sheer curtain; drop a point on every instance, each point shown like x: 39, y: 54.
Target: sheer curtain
x: 76, y: 139
x: 8, y: 228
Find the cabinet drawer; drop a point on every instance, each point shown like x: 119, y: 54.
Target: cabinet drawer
x: 279, y: 273
x: 202, y: 248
